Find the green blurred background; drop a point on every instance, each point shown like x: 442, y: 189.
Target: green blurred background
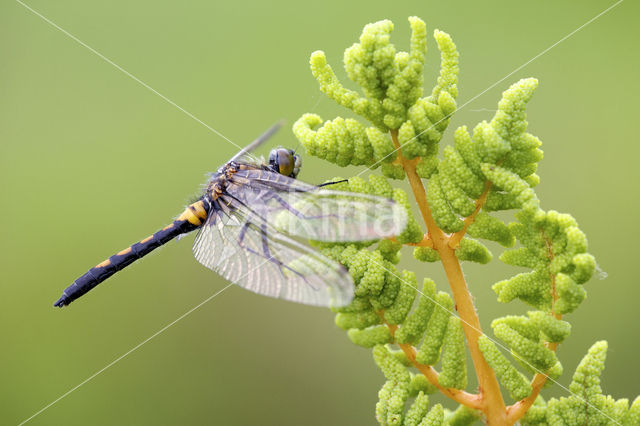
x: 92, y: 161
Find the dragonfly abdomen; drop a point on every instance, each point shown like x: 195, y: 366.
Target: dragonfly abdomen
x: 192, y: 218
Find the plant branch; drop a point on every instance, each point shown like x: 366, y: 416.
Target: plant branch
x: 425, y: 242
x: 455, y: 239
x: 516, y: 411
x: 460, y: 396
x: 493, y: 404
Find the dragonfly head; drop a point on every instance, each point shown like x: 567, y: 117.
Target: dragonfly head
x: 285, y: 161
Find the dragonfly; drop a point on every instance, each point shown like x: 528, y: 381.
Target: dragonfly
x: 251, y: 218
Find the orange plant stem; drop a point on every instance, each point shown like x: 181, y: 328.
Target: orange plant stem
x: 458, y: 395
x: 425, y: 242
x: 455, y: 239
x: 492, y: 403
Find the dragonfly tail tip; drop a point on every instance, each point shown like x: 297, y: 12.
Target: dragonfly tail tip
x: 63, y: 301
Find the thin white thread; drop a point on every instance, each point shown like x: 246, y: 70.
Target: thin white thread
x: 109, y: 61
x: 320, y: 98
x: 483, y: 110
x: 497, y: 343
x: 115, y: 361
x: 494, y: 84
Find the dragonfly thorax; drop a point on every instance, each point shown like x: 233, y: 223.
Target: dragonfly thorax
x: 218, y: 184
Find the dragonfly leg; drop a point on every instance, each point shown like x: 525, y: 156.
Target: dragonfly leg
x: 266, y: 253
x: 265, y: 248
x: 332, y: 183
x: 243, y: 232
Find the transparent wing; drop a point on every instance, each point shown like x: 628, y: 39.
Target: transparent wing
x: 256, y: 143
x: 247, y: 251
x: 308, y: 211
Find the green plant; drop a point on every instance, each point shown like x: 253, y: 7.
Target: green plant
x: 489, y: 170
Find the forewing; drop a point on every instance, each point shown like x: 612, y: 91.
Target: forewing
x: 256, y: 143
x: 245, y: 250
x: 316, y: 213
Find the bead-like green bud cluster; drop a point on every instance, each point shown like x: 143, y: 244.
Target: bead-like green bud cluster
x: 392, y: 85
x: 473, y: 251
x: 399, y: 387
x: 491, y: 168
x: 419, y: 383
x: 344, y: 141
x: 555, y: 249
x: 417, y: 411
x: 416, y: 323
x: 500, y: 158
x: 429, y: 352
x: 462, y: 416
x: 524, y: 338
x: 454, y: 366
x: 587, y: 404
x: 515, y: 383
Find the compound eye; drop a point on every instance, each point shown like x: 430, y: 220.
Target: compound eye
x: 285, y: 162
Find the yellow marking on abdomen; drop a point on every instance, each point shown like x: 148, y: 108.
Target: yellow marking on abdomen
x: 146, y: 239
x: 194, y: 213
x: 103, y: 263
x: 125, y: 251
